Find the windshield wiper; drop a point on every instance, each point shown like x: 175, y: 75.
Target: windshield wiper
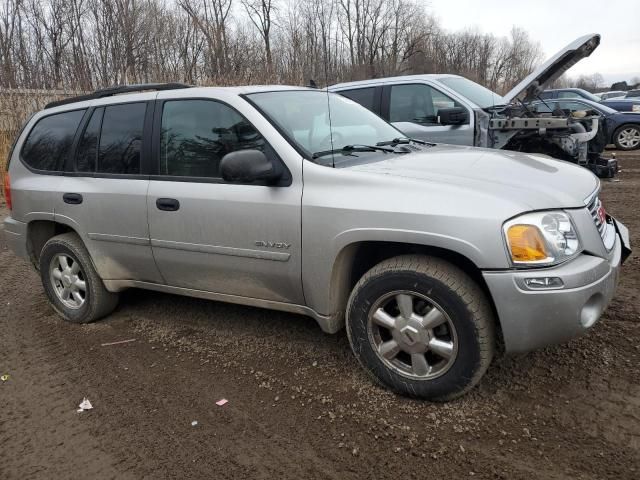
x: 403, y: 141
x: 355, y: 148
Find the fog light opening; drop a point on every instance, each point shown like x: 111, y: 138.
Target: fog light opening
x: 544, y: 283
x: 592, y: 310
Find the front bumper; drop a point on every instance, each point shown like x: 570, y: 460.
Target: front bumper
x: 15, y: 234
x: 533, y: 319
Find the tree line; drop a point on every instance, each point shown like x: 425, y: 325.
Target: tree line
x: 89, y: 44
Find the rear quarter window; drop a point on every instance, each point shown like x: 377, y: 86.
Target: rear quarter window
x: 364, y: 96
x: 120, y: 143
x: 49, y: 142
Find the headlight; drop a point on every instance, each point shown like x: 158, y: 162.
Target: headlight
x: 541, y: 238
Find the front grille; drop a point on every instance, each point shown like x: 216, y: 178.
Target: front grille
x: 593, y: 206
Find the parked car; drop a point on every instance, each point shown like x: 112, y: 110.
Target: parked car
x: 302, y: 200
x: 620, y: 128
x: 633, y: 94
x: 568, y: 93
x: 452, y: 109
x: 623, y: 104
x: 611, y: 94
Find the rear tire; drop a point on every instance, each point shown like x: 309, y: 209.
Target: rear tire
x: 627, y: 137
x: 71, y: 283
x: 421, y: 327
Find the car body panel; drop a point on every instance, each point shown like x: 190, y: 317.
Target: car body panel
x: 623, y: 104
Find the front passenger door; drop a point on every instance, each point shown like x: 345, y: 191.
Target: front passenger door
x: 210, y: 235
x: 413, y: 109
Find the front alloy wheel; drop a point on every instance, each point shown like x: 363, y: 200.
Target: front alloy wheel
x: 421, y: 327
x: 413, y: 335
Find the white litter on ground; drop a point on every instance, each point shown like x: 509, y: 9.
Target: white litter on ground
x: 194, y: 423
x: 85, y: 405
x: 221, y: 402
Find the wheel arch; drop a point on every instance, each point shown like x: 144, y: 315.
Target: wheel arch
x: 40, y: 232
x: 356, y: 258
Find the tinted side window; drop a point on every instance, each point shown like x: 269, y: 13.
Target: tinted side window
x: 196, y: 134
x: 417, y: 103
x: 364, y: 96
x: 121, y: 138
x: 568, y: 95
x: 87, y: 150
x: 545, y: 95
x: 50, y: 140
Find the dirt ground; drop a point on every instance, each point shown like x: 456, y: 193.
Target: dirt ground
x: 299, y: 405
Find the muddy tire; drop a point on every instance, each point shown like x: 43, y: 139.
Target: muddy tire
x: 71, y: 282
x: 421, y: 327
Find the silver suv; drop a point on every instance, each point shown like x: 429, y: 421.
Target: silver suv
x: 304, y: 201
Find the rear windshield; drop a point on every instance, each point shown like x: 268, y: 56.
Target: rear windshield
x: 50, y: 140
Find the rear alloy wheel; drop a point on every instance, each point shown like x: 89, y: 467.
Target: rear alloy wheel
x: 68, y: 282
x: 71, y: 282
x: 627, y: 137
x: 421, y: 327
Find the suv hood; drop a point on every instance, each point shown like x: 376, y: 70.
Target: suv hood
x: 551, y: 70
x: 533, y: 181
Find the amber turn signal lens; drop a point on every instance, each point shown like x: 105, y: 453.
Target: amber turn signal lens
x: 526, y: 243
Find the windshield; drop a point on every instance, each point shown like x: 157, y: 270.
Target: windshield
x: 582, y: 103
x: 481, y: 96
x: 588, y: 95
x: 317, y: 122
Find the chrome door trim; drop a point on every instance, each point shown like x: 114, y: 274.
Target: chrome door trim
x: 220, y: 250
x: 105, y: 237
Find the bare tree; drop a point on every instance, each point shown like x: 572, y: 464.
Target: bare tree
x: 86, y: 44
x: 261, y: 14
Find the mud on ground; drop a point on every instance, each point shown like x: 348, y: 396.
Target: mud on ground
x: 299, y: 405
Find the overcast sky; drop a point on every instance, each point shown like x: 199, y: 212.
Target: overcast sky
x: 555, y: 23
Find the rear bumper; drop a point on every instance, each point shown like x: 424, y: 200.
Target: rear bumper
x: 15, y: 234
x: 533, y: 319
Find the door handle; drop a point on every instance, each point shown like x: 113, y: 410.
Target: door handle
x: 72, y: 198
x: 167, y: 204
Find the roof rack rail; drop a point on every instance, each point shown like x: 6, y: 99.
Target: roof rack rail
x: 118, y: 89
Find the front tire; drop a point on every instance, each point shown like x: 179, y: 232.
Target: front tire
x: 421, y: 327
x: 627, y: 137
x: 71, y: 283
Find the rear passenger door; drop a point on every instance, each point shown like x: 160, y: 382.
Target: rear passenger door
x: 207, y: 234
x: 103, y: 193
x: 413, y: 109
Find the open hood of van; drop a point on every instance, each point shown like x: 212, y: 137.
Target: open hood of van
x: 550, y: 70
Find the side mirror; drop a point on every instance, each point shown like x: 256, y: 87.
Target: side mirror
x: 453, y: 116
x: 248, y: 166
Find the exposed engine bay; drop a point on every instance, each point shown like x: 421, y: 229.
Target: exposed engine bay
x: 577, y: 137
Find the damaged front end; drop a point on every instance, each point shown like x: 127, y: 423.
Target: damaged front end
x: 578, y: 140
